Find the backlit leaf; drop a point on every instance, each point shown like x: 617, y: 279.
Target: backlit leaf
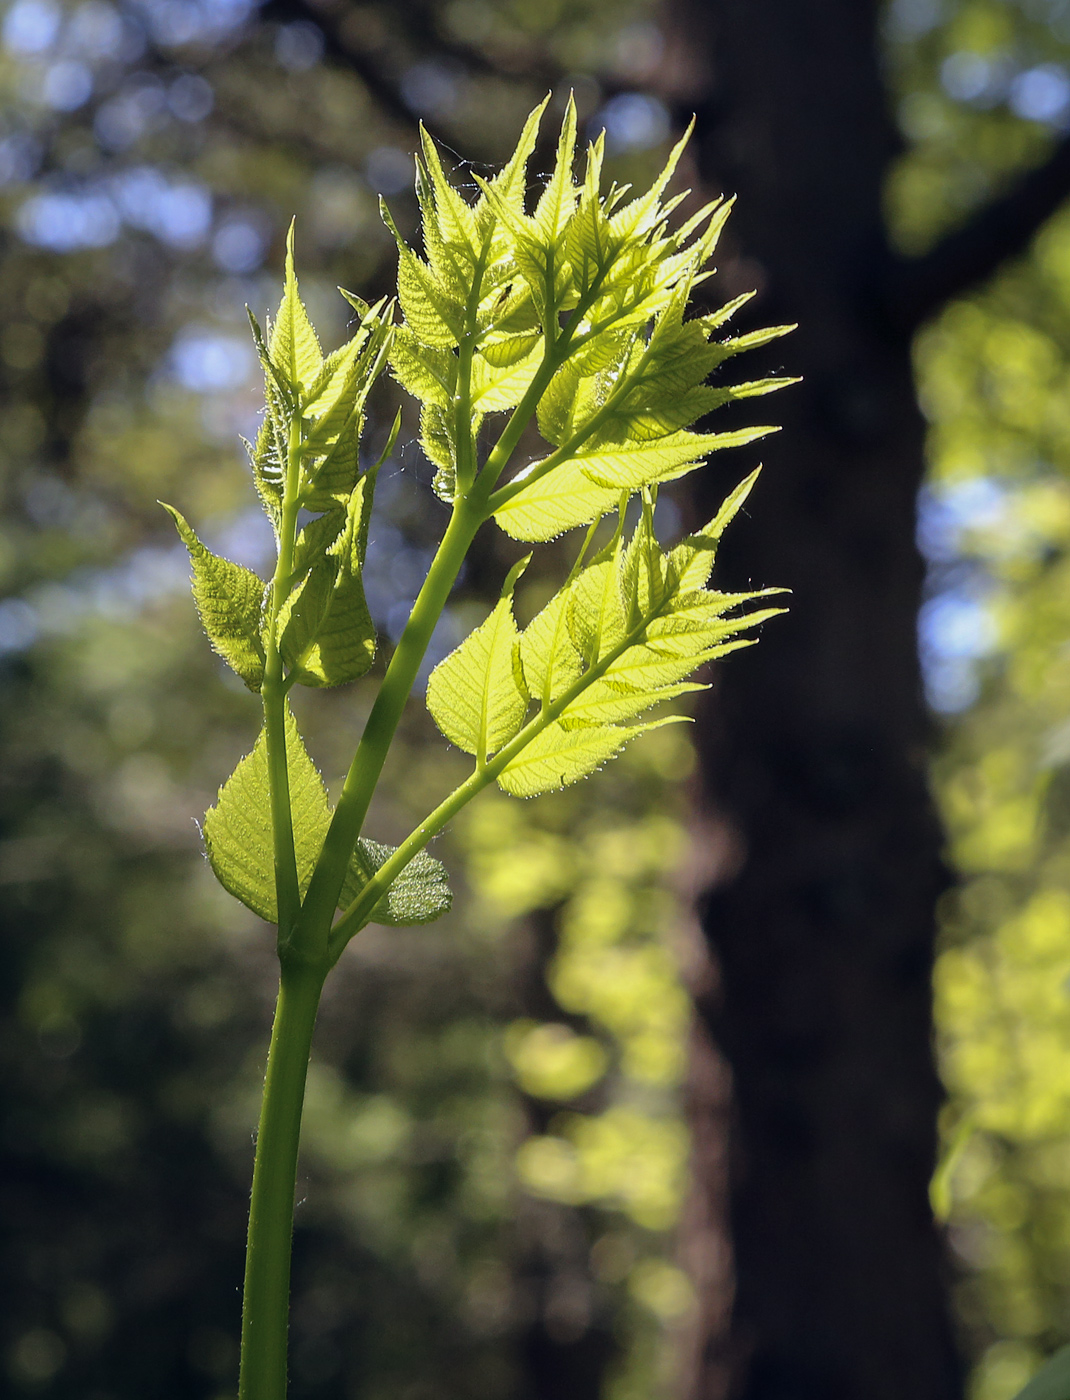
x: 550, y: 660
x: 238, y: 831
x: 561, y: 755
x: 477, y: 695
x: 326, y: 632
x: 293, y: 345
x: 555, y: 502
x: 230, y: 601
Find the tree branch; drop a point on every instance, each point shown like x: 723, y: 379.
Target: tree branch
x: 916, y: 288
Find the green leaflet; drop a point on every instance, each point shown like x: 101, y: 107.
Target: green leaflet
x: 436, y: 439
x: 550, y: 660
x: 619, y: 638
x: 613, y: 701
x: 326, y: 634
x: 427, y: 372
x: 498, y: 382
x: 630, y: 466
x: 432, y: 298
x: 477, y: 695
x: 597, y: 619
x: 555, y: 502
x: 238, y: 840
x: 293, y: 345
x: 1052, y: 1381
x: 420, y: 894
x: 333, y: 413
x: 237, y: 830
x: 560, y: 756
x: 230, y: 601
x: 589, y: 484
x: 692, y: 559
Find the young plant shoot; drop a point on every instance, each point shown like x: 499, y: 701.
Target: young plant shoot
x: 571, y: 320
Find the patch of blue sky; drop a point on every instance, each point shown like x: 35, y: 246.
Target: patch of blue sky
x: 64, y: 222
x: 240, y: 243
x: 20, y: 158
x: 176, y: 23
x: 956, y: 631
x: 389, y: 169
x: 246, y: 538
x: 66, y: 85
x: 178, y: 213
x: 95, y: 30
x: 633, y: 121
x: 138, y: 108
x: 948, y: 512
x: 431, y: 89
x: 1041, y: 94
x: 906, y: 20
x: 299, y: 46
x: 956, y: 624
x: 147, y: 576
x: 31, y: 27
x: 209, y: 361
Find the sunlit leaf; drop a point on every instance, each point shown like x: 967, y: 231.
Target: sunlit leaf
x: 561, y: 755
x: 230, y: 601
x: 477, y: 695
x: 326, y: 634
x: 238, y: 831
x: 293, y: 345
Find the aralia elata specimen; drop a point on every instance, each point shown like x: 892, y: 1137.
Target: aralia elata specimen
x: 571, y: 317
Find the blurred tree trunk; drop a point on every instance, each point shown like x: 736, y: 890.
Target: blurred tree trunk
x: 814, y: 748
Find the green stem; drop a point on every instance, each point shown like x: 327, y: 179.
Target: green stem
x: 266, y: 1305
x: 273, y: 694
x: 326, y: 885
x: 385, y: 876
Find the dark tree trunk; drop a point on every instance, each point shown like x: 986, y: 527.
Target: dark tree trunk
x: 815, y: 746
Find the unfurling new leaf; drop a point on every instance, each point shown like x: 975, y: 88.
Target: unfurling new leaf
x: 576, y: 311
x: 326, y: 634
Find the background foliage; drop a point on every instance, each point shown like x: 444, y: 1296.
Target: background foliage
x: 496, y: 1154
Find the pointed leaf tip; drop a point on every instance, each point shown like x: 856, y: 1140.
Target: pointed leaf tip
x: 229, y: 601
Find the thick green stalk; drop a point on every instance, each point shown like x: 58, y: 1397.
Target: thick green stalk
x: 367, y: 765
x: 273, y: 694
x: 266, y: 1304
